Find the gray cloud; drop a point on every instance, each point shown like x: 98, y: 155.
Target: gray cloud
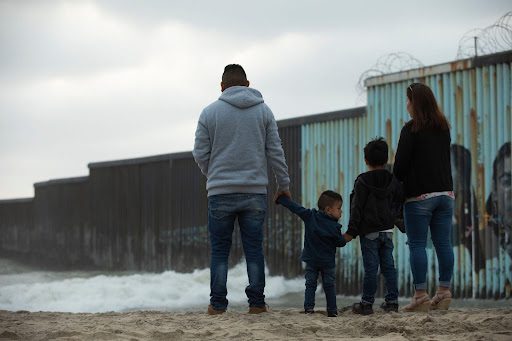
x: 100, y: 80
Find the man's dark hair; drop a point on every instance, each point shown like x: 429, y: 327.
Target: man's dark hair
x: 233, y: 75
x: 328, y: 198
x: 376, y: 152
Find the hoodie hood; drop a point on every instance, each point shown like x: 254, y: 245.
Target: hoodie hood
x: 380, y: 182
x: 241, y: 96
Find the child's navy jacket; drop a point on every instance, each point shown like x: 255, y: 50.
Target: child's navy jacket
x: 322, y: 234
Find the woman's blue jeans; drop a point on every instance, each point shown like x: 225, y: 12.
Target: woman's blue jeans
x: 250, y: 210
x: 434, y: 213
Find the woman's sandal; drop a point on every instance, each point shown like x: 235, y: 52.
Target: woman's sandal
x: 441, y: 300
x: 420, y: 303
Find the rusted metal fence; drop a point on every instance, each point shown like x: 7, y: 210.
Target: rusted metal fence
x: 150, y: 213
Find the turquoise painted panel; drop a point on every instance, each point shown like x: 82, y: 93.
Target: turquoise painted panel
x: 477, y: 103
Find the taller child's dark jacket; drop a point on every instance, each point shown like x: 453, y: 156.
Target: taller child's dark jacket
x: 375, y: 202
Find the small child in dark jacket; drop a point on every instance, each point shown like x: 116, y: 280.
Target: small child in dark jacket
x: 374, y: 207
x: 322, y: 235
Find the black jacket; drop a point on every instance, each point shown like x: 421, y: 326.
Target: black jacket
x: 422, y: 161
x: 322, y: 234
x: 375, y: 202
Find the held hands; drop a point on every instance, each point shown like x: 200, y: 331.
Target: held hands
x: 347, y: 237
x: 281, y: 193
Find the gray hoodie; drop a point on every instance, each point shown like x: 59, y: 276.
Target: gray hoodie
x: 236, y: 137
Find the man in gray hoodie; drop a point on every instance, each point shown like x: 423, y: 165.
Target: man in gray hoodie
x: 236, y: 140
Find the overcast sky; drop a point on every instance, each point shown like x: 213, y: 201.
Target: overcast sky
x: 88, y: 81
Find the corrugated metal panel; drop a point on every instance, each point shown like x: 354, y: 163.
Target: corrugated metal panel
x: 331, y: 160
x: 187, y: 214
x: 16, y: 226
x: 136, y: 213
x: 115, y: 208
x: 150, y: 214
x: 283, y: 230
x: 477, y: 103
x: 140, y: 214
x: 61, y: 232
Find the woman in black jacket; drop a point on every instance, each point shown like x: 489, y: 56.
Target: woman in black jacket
x: 422, y: 162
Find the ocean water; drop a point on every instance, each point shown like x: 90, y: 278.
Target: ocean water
x: 25, y: 288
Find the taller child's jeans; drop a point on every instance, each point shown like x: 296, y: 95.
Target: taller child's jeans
x: 377, y: 251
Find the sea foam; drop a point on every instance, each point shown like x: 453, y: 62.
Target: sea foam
x: 93, y: 292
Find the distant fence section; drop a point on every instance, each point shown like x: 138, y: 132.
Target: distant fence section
x: 139, y: 214
x: 151, y: 213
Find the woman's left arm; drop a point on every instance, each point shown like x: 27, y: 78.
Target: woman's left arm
x: 404, y: 153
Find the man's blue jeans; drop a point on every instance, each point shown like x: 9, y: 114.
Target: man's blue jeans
x: 435, y: 213
x: 377, y: 250
x: 328, y: 283
x: 250, y: 210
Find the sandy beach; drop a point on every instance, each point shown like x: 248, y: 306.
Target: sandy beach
x: 279, y: 324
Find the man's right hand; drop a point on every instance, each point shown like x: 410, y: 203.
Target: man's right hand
x: 281, y: 193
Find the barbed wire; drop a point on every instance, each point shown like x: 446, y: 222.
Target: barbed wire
x: 389, y: 63
x: 491, y: 39
x: 479, y: 41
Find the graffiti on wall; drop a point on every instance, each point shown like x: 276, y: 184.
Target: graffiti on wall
x: 499, y: 203
x: 498, y: 210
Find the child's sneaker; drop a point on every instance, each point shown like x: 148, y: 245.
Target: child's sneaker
x: 389, y: 307
x: 362, y: 308
x: 332, y: 314
x: 309, y: 311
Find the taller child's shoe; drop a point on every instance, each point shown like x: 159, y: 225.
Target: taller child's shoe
x: 389, y: 307
x: 362, y: 308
